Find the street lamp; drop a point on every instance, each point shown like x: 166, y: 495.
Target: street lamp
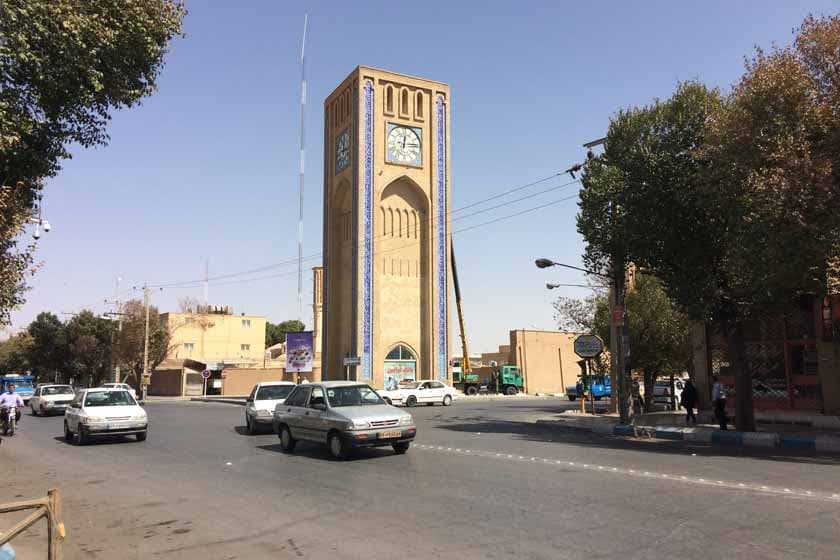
x: 551, y: 286
x: 546, y: 263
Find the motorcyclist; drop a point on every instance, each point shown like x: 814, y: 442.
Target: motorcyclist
x: 10, y: 398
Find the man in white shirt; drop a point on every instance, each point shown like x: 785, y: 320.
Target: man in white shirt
x: 10, y: 398
x: 719, y: 400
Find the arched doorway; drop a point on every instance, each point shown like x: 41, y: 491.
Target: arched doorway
x: 400, y: 365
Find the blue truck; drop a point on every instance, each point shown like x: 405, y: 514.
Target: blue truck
x: 23, y: 385
x: 600, y: 385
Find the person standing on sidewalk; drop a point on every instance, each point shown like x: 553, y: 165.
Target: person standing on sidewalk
x: 719, y: 399
x: 688, y: 400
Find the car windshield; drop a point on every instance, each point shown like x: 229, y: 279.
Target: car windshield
x: 56, y: 391
x: 22, y: 385
x: 109, y: 398
x: 273, y: 392
x: 353, y: 395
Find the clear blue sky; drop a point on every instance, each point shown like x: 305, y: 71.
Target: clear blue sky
x: 207, y: 168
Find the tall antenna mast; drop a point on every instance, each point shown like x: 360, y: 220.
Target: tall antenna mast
x: 206, y: 281
x: 302, y: 163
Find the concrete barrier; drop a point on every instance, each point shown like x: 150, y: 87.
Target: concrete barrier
x: 699, y: 435
x: 827, y: 443
x: 669, y: 433
x: 624, y: 430
x: 799, y: 442
x: 760, y: 439
x: 727, y: 437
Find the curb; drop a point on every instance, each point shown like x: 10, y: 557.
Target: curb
x: 240, y: 402
x: 822, y: 443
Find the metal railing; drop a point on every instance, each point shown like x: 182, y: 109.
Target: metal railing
x: 50, y: 508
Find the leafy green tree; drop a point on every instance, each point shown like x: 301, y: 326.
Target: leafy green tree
x: 65, y: 66
x: 49, y: 352
x: 89, y: 344
x: 14, y: 354
x: 131, y: 339
x: 275, y: 333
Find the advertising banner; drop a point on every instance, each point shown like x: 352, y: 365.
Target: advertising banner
x: 299, y: 352
x: 399, y: 371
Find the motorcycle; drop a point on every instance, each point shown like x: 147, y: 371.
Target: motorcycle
x: 9, y: 419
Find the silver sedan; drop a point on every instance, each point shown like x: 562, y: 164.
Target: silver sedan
x: 343, y: 415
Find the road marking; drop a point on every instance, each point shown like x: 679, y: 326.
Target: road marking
x: 746, y: 487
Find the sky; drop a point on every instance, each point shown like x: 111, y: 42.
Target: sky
x: 206, y: 169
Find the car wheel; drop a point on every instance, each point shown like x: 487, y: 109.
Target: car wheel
x: 287, y: 442
x: 597, y: 398
x: 472, y: 391
x: 337, y: 447
x: 401, y: 447
x: 34, y: 412
x: 68, y: 435
x: 572, y: 397
x: 511, y: 390
x: 79, y: 437
x: 249, y: 425
x: 411, y: 401
x: 447, y: 400
x: 141, y: 436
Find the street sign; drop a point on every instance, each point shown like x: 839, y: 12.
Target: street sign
x: 353, y: 361
x: 588, y: 346
x: 205, y: 374
x: 617, y: 316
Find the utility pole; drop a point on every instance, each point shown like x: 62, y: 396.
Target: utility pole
x: 147, y: 297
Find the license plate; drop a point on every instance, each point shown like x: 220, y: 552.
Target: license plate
x: 390, y: 434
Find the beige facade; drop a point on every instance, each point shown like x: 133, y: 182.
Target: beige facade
x: 215, y: 337
x: 386, y: 238
x: 546, y: 358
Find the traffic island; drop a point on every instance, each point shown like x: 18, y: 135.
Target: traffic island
x: 609, y: 425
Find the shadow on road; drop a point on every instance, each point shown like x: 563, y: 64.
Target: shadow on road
x: 319, y: 452
x: 528, y: 431
x: 101, y: 440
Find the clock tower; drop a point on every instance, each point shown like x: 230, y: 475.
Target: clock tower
x: 386, y: 230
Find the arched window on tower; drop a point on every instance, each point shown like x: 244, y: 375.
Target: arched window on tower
x: 404, y: 102
x: 400, y: 352
x: 389, y: 99
x: 418, y: 105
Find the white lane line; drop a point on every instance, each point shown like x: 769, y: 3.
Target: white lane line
x: 758, y: 488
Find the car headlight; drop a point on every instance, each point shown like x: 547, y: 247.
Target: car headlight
x: 263, y: 412
x: 359, y: 425
x: 139, y: 417
x: 92, y: 419
x: 49, y: 403
x: 406, y: 421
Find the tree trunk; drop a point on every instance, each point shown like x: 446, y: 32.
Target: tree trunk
x: 650, y: 382
x: 744, y: 414
x: 673, y: 393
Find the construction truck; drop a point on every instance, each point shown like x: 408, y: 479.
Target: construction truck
x: 503, y: 379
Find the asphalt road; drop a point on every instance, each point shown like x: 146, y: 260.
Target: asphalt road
x: 481, y: 481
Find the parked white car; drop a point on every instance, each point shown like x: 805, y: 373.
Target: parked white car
x: 51, y: 399
x: 662, y: 393
x: 264, y: 398
x: 123, y: 386
x: 104, y: 412
x: 420, y: 392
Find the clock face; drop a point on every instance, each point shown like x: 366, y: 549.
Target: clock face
x: 404, y: 145
x: 342, y: 151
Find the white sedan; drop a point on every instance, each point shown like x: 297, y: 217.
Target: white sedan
x: 420, y: 392
x: 104, y: 412
x: 264, y: 398
x: 51, y: 399
x: 124, y: 386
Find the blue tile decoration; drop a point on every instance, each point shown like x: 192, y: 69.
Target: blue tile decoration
x: 443, y: 331
x: 367, y: 237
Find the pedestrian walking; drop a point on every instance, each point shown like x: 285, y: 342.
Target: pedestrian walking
x: 688, y: 400
x: 719, y: 399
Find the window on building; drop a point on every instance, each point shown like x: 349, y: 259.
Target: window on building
x: 189, y: 346
x: 244, y: 347
x: 400, y: 352
x: 246, y: 323
x: 404, y: 102
x: 389, y: 99
x: 418, y: 105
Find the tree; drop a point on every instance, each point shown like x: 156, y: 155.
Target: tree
x: 275, y: 333
x: 132, y: 339
x: 89, y: 344
x: 14, y: 354
x: 64, y: 67
x: 49, y: 351
x: 658, y: 331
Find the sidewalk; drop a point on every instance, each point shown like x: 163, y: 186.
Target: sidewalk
x: 671, y: 426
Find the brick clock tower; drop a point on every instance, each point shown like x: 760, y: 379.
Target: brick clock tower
x: 386, y: 233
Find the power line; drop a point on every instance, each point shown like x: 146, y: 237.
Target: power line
x: 189, y: 283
